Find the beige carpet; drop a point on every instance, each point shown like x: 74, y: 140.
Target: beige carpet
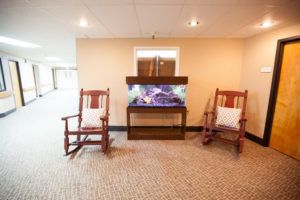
x: 32, y: 165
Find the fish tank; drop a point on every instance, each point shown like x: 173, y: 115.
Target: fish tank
x: 156, y: 95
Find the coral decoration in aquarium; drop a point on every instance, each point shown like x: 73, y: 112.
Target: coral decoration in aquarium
x: 156, y: 95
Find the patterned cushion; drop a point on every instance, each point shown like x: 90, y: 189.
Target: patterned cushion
x: 91, y: 117
x: 228, y: 117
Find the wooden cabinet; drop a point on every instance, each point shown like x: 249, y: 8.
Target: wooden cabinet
x: 156, y: 133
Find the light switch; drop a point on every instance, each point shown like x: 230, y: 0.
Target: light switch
x: 266, y: 69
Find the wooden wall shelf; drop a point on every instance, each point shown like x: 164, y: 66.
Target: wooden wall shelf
x: 156, y: 133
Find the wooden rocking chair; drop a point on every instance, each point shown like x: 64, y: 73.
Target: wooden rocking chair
x: 214, y: 127
x: 89, y: 101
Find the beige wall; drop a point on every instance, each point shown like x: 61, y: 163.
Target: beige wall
x: 260, y: 51
x: 209, y: 63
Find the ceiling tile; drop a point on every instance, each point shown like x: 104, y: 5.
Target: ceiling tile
x: 107, y: 2
x: 280, y: 17
x: 54, y: 3
x: 206, y: 15
x: 53, y: 24
x: 96, y: 35
x: 118, y: 18
x: 159, y: 2
x: 127, y: 35
x: 157, y: 35
x: 263, y: 2
x: 30, y: 23
x: 236, y: 18
x: 161, y: 19
x: 71, y: 16
x: 14, y: 3
x: 211, y: 2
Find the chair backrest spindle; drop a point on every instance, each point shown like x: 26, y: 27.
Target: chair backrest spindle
x: 222, y: 100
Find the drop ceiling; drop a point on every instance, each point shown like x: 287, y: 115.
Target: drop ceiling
x: 54, y: 24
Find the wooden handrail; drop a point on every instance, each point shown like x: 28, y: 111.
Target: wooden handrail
x: 6, y: 94
x: 46, y: 84
x: 28, y: 89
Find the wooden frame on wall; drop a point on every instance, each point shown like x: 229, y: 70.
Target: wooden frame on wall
x: 274, y: 87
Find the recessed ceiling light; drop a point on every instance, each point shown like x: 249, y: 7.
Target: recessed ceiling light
x: 18, y: 43
x: 52, y: 58
x: 193, y: 23
x: 266, y: 24
x: 83, y: 23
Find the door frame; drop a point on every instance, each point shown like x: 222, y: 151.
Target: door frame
x: 19, y: 79
x: 274, y: 87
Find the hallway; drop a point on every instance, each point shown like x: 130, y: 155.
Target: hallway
x: 32, y: 165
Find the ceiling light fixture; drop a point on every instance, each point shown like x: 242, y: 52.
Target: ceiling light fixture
x: 266, y: 24
x: 18, y: 43
x: 83, y: 23
x: 52, y: 58
x: 193, y: 23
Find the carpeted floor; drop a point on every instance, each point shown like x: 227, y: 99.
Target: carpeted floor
x: 32, y: 165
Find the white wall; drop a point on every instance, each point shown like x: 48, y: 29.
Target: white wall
x: 27, y: 78
x: 46, y: 78
x: 66, y: 79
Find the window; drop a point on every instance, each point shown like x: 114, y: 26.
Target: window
x: 2, y: 82
x: 159, y: 61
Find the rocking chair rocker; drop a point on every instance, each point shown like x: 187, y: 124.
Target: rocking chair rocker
x: 92, y: 120
x: 226, y: 112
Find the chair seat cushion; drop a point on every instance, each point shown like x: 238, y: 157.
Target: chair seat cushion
x: 86, y: 131
x: 91, y: 117
x: 228, y: 117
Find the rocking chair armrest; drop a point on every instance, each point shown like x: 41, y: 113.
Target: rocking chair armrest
x: 104, y: 117
x: 243, y: 120
x: 67, y: 117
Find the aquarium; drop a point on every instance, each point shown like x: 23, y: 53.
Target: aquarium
x: 156, y: 95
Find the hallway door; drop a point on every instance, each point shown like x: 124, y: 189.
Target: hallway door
x: 15, y: 83
x: 285, y: 134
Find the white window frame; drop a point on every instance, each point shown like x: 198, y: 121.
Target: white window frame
x: 156, y: 48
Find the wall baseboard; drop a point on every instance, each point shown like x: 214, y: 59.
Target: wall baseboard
x: 41, y: 95
x: 117, y: 128
x: 194, y: 128
x: 7, y: 113
x: 248, y: 135
x: 254, y: 138
x: 30, y: 101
